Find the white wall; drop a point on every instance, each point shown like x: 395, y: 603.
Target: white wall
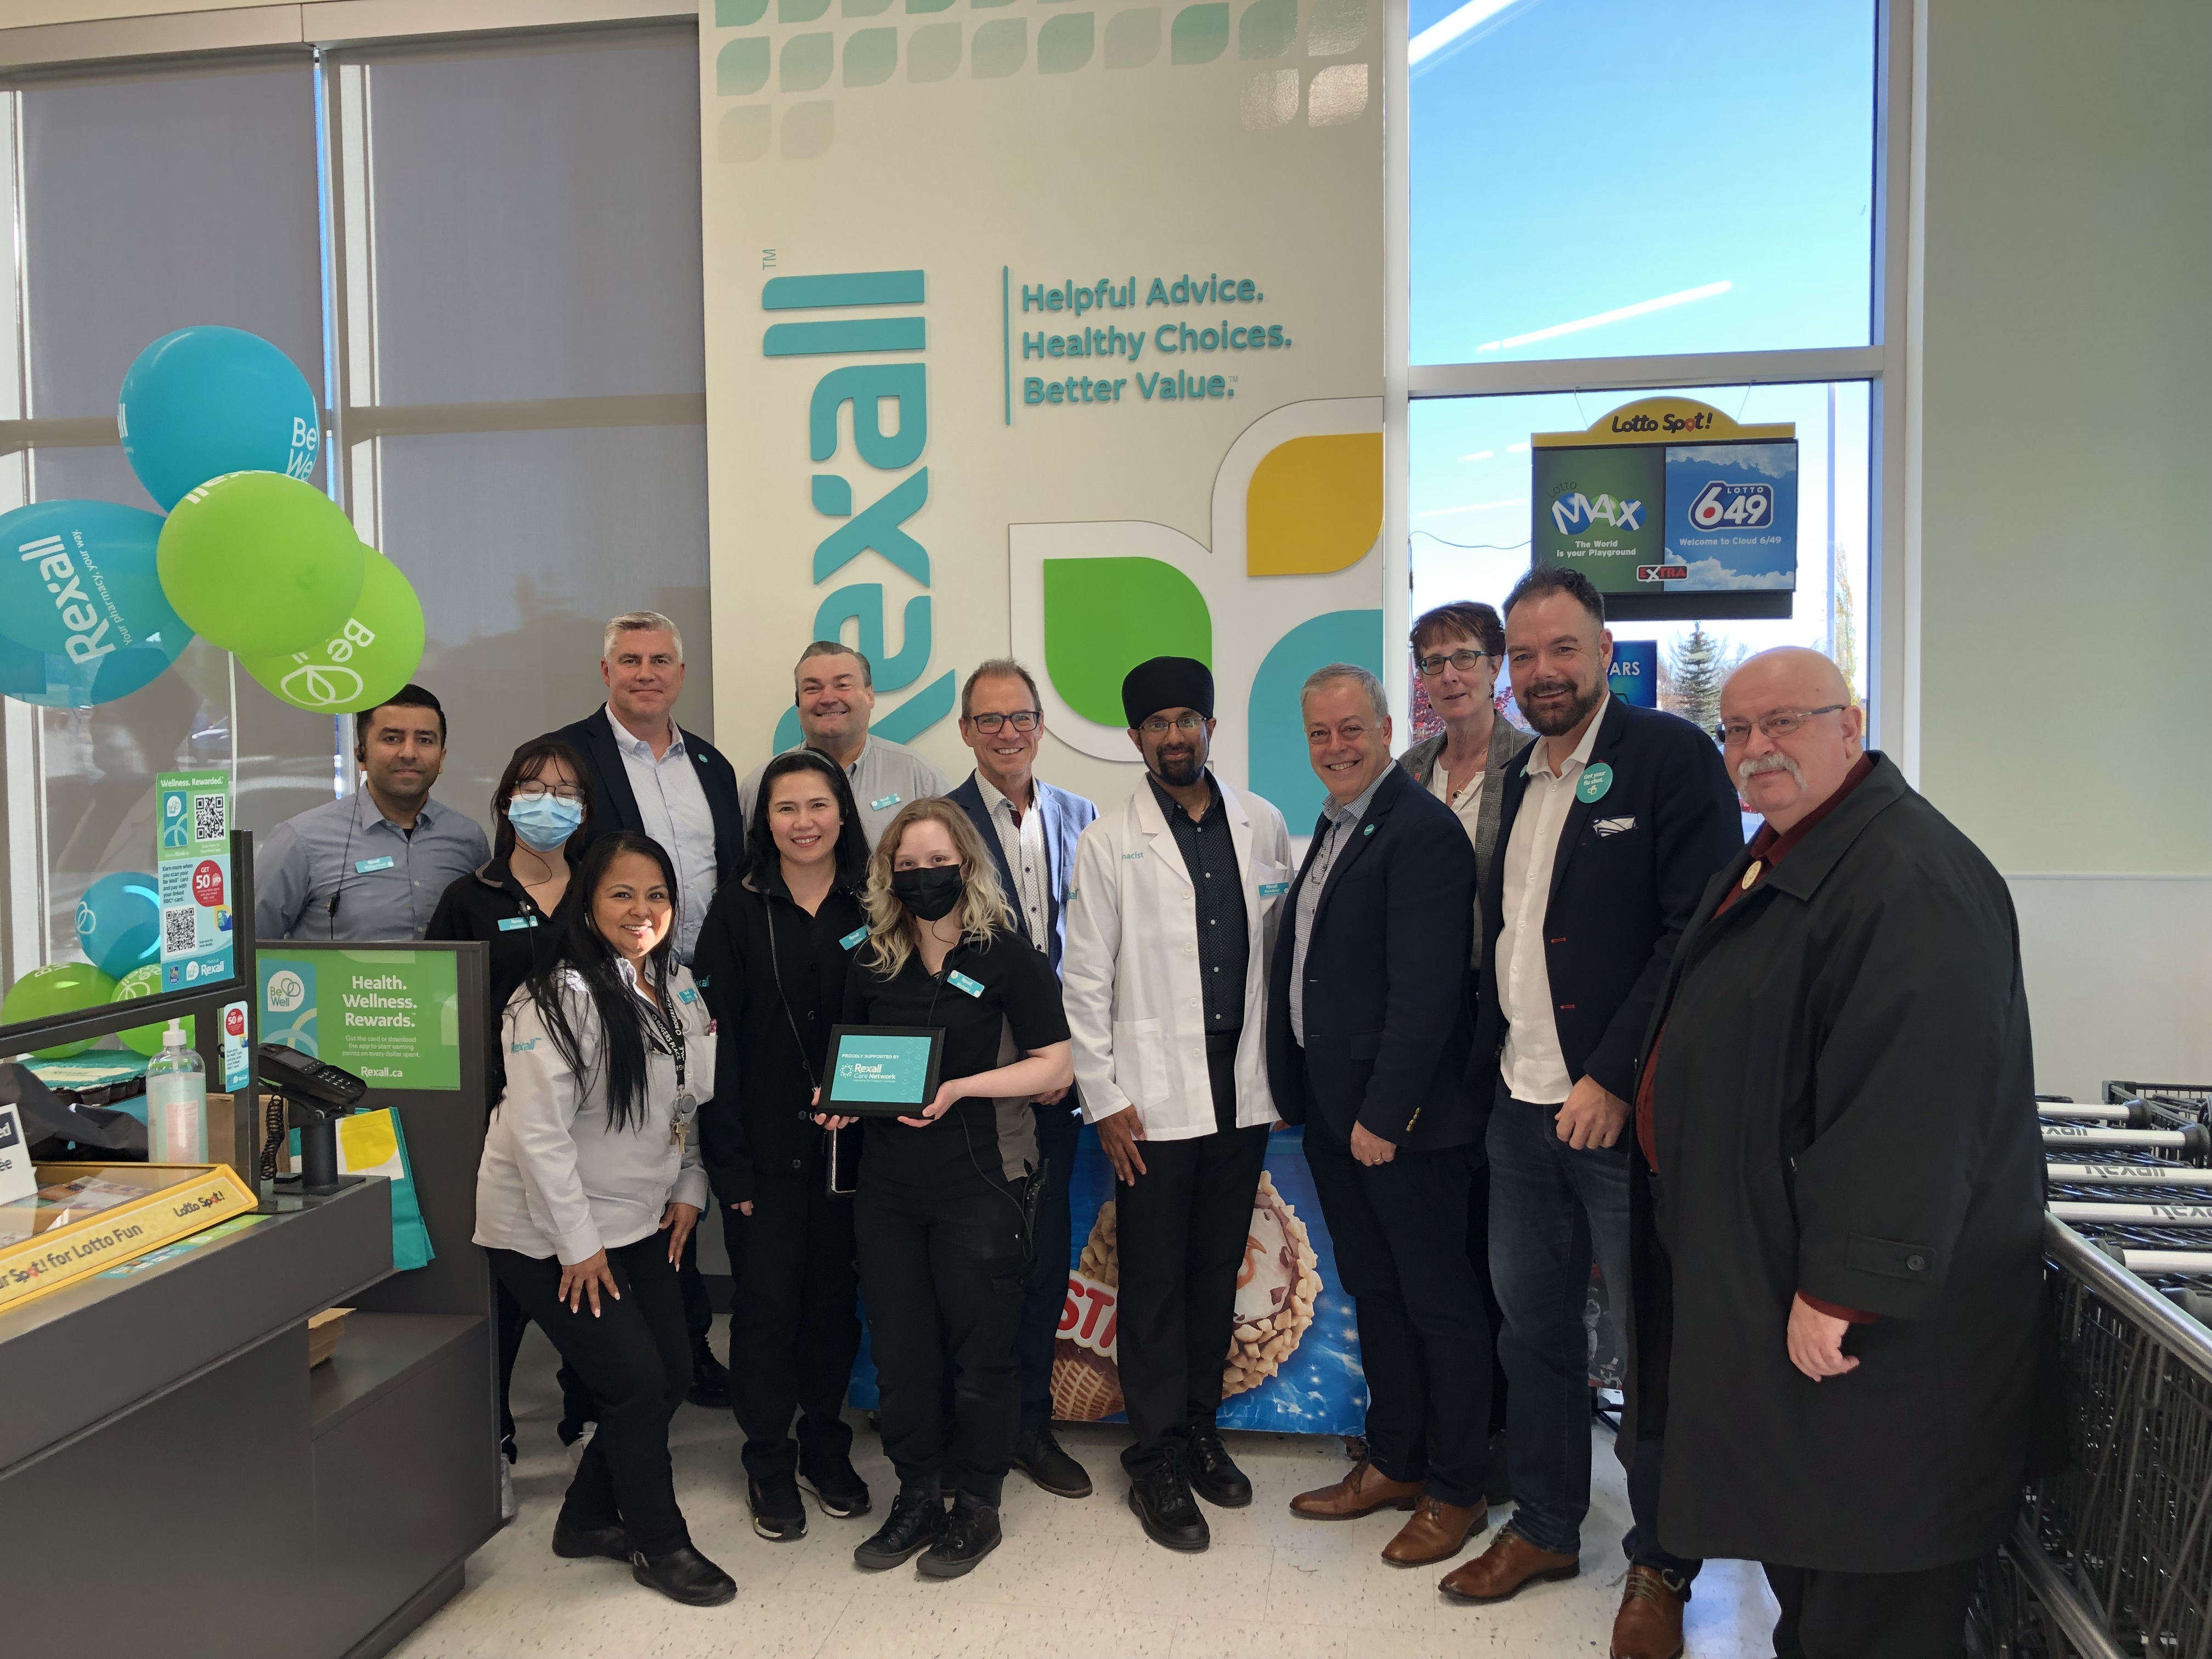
x: 2065, y: 346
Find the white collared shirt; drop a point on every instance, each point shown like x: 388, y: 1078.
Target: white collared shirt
x: 671, y: 804
x: 1532, y: 1066
x: 1022, y: 842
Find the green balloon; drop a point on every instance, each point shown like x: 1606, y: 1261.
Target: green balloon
x: 373, y: 654
x: 64, y: 988
x: 260, y: 563
x: 147, y: 1039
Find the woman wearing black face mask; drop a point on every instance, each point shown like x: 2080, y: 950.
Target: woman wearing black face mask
x: 939, y: 1214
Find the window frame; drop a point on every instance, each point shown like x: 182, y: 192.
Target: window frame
x: 1891, y: 605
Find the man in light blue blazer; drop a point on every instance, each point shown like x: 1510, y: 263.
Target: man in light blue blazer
x: 1030, y: 828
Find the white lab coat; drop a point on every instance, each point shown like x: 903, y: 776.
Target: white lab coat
x: 1131, y: 987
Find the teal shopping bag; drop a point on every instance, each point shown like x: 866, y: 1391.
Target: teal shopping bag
x: 374, y: 1143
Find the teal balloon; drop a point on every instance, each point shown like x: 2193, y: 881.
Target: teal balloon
x: 82, y: 616
x: 208, y: 400
x: 119, y: 922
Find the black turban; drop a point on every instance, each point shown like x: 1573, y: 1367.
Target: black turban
x: 1167, y: 683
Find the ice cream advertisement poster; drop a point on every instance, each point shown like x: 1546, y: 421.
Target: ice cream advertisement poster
x: 1292, y: 1360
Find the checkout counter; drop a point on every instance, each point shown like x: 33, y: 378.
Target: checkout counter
x: 174, y: 1477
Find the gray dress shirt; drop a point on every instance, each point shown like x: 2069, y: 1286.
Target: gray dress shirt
x: 886, y: 777
x: 673, y: 806
x: 386, y: 882
x: 1341, y: 821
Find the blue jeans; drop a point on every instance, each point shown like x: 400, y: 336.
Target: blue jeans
x: 1551, y: 1209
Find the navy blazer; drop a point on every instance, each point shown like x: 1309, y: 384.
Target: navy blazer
x: 1065, y: 816
x: 614, y: 803
x: 1386, y: 1014
x: 1630, y: 870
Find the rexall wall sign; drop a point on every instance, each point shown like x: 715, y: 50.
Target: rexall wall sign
x: 1023, y: 335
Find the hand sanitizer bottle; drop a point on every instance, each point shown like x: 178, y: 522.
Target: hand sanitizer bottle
x: 176, y: 1102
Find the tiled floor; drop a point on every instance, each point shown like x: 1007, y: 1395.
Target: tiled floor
x: 1073, y: 1579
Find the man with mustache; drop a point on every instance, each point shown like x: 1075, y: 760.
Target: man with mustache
x: 1609, y: 832
x: 833, y: 688
x: 372, y: 864
x: 1174, y: 909
x: 1837, y: 1146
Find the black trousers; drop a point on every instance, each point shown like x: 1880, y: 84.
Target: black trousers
x: 1182, y: 1229
x: 1046, y: 1293
x: 794, y: 1325
x: 1399, y: 1233
x: 1871, y: 1615
x: 943, y: 1274
x: 635, y: 1358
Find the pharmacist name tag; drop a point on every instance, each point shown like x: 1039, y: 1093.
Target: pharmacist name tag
x: 18, y: 1180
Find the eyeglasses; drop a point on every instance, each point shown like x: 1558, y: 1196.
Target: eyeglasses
x: 1188, y: 721
x: 1021, y: 719
x: 566, y: 792
x: 1462, y: 661
x: 1779, y: 724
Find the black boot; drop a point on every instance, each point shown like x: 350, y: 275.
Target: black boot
x: 1040, y: 1457
x: 684, y: 1575
x: 971, y: 1532
x: 576, y: 1543
x: 710, y: 1379
x: 778, y: 1516
x: 916, y: 1522
x: 1213, y: 1475
x: 1160, y: 1495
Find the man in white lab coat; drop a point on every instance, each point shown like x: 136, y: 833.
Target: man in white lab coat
x: 1170, y: 929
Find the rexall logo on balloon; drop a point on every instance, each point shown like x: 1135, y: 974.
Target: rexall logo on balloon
x: 89, y: 628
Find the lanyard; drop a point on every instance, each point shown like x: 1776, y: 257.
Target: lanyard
x: 667, y: 1033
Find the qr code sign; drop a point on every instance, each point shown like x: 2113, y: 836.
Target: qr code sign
x: 177, y: 934
x: 211, y: 817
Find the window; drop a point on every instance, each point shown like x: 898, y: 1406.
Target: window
x: 1609, y: 200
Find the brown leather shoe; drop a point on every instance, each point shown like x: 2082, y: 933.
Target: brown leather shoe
x: 1502, y: 1572
x: 1363, y: 1492
x: 1650, y: 1623
x: 1438, y: 1532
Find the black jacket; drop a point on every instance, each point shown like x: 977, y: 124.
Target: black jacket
x: 1620, y: 898
x: 614, y: 803
x: 760, y: 1125
x: 1386, y: 1014
x: 491, y: 905
x: 1843, y: 1105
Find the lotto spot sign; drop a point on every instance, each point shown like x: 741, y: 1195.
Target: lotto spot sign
x: 261, y: 564
x: 364, y: 662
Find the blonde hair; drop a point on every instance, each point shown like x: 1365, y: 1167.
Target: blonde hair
x: 892, y: 931
x: 633, y: 621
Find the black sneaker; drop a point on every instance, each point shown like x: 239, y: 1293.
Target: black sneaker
x: 1213, y: 1475
x: 971, y: 1532
x: 778, y: 1516
x: 684, y: 1576
x: 1161, y: 1498
x: 837, y: 1486
x: 710, y: 1378
x: 576, y: 1543
x: 1040, y: 1457
x: 916, y: 1522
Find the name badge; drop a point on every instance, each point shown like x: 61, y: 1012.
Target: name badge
x: 362, y: 866
x: 881, y: 801
x: 851, y: 939
x: 687, y: 995
x: 516, y: 924
x: 1274, y: 889
x: 960, y: 981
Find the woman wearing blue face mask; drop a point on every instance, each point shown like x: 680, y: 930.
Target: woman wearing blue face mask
x: 515, y: 903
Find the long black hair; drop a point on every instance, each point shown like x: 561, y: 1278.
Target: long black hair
x: 620, y: 1021
x: 852, y: 850
x: 530, y: 761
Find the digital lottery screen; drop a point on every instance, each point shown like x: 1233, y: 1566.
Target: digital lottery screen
x: 1671, y: 532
